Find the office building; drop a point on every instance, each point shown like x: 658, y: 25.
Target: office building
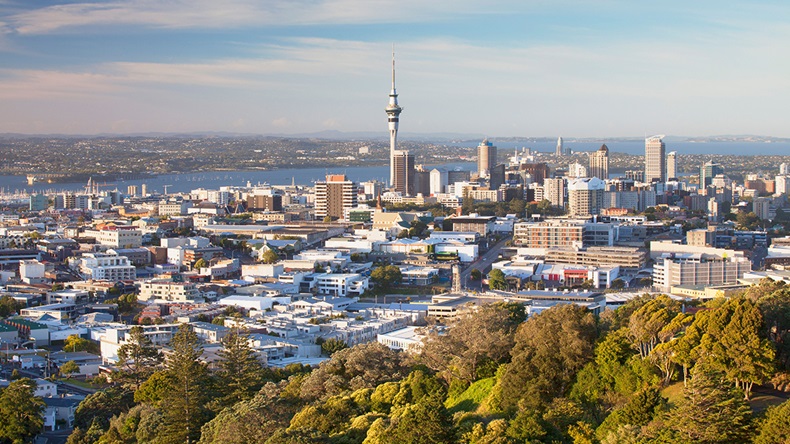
x: 585, y: 196
x: 458, y: 176
x: 655, y: 159
x: 486, y: 158
x: 698, y: 269
x: 560, y: 149
x: 404, y: 172
x: 536, y: 171
x: 333, y: 196
x: 707, y: 172
x: 497, y: 177
x: 266, y: 200
x: 577, y: 170
x: 784, y: 169
x: 38, y: 202
x: 422, y: 181
x: 599, y: 163
x: 439, y: 181
x: 672, y: 165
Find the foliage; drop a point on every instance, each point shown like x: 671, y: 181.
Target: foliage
x: 76, y: 343
x: 270, y: 257
x: 184, y: 402
x: 9, y: 305
x: 496, y: 280
x: 240, y: 372
x: 550, y: 348
x: 638, y: 411
x: 774, y: 428
x: 21, y: 412
x: 475, y: 274
x: 386, y: 276
x: 137, y: 358
x: 648, y: 322
x: 332, y: 345
x: 200, y: 263
x: 475, y: 344
x: 101, y: 406
x: 69, y: 368
x: 710, y: 412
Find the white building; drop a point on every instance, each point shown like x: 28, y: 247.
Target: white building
x: 120, y: 237
x: 109, y: 267
x: 31, y: 271
x: 168, y: 291
x: 695, y: 269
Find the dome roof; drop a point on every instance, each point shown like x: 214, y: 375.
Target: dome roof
x: 604, y: 148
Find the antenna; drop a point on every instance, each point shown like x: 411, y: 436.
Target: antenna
x: 393, y: 66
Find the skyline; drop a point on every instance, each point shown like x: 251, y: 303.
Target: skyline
x: 505, y: 69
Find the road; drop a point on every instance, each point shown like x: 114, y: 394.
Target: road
x: 484, y: 261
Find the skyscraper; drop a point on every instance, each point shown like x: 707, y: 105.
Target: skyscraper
x: 655, y: 159
x: 672, y: 165
x: 403, y: 162
x: 707, y: 172
x: 585, y: 196
x: 559, y: 151
x: 554, y: 191
x: 486, y: 158
x: 393, y: 116
x: 333, y: 195
x: 599, y: 163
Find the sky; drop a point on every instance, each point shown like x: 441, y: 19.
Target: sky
x: 602, y: 68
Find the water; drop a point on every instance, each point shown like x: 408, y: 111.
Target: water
x: 185, y: 182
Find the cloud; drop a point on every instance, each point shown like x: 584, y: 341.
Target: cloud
x: 212, y: 14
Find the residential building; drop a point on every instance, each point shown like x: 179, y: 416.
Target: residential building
x: 116, y: 236
x: 334, y: 195
x: 486, y: 158
x: 169, y: 291
x: 103, y: 266
x: 672, y: 165
x: 655, y: 159
x: 599, y: 163
x: 404, y: 173
x: 585, y: 196
x: 623, y: 257
x: 554, y: 191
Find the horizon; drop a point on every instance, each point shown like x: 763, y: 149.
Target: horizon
x: 120, y: 67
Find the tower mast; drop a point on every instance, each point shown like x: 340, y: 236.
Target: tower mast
x: 393, y: 112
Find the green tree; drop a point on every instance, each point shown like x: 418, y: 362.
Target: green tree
x: 75, y: 343
x: 200, y: 263
x: 496, y: 280
x: 69, y: 368
x: 184, y: 404
x: 425, y: 422
x: 646, y: 405
x: 647, y: 322
x: 386, y: 276
x: 710, y: 412
x: 137, y: 358
x: 270, y: 257
x: 550, y: 348
x: 475, y: 274
x: 775, y: 426
x: 21, y: 411
x: 241, y: 373
x: 617, y: 284
x: 9, y: 305
x: 332, y: 345
x: 101, y: 406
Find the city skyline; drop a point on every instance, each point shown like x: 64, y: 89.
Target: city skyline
x: 515, y: 69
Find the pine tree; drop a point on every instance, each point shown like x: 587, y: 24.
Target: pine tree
x: 241, y: 373
x: 710, y: 412
x: 184, y: 403
x: 20, y: 411
x: 137, y: 358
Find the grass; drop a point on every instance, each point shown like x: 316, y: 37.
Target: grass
x: 80, y: 383
x: 760, y: 401
x: 673, y: 392
x: 470, y: 399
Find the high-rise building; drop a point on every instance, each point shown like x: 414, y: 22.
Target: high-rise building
x: 486, y: 158
x: 403, y: 162
x: 422, y: 181
x: 554, y: 191
x: 577, y: 170
x: 131, y: 190
x: 144, y: 190
x: 599, y: 163
x: 655, y: 159
x: 784, y: 169
x: 707, y: 172
x: 457, y: 176
x: 265, y: 201
x: 672, y: 165
x: 439, y: 181
x: 393, y: 117
x: 560, y: 149
x: 585, y: 196
x: 333, y: 195
x: 497, y: 177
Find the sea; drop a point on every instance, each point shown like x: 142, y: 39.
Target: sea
x: 184, y: 182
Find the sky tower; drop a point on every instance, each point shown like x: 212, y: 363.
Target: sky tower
x: 393, y: 111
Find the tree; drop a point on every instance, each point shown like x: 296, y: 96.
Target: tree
x: 270, y: 257
x: 332, y: 345
x: 184, y: 403
x: 9, y: 305
x: 75, y: 343
x: 101, y: 406
x: 475, y: 344
x: 21, y: 411
x: 200, y: 263
x: 475, y: 274
x: 69, y: 368
x: 550, y: 348
x: 775, y: 426
x: 647, y: 322
x: 241, y: 373
x: 425, y: 422
x: 710, y: 412
x: 496, y: 280
x: 386, y: 276
x: 747, y: 221
x: 617, y: 284
x: 137, y: 358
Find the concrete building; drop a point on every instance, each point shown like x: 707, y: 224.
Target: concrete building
x: 554, y: 191
x: 655, y: 159
x: 168, y: 291
x: 120, y: 237
x: 585, y: 196
x: 672, y: 165
x: 404, y: 173
x: 486, y: 158
x: 707, y: 172
x: 599, y: 163
x: 695, y: 269
x: 109, y: 267
x: 623, y: 257
x: 334, y: 195
x: 439, y: 181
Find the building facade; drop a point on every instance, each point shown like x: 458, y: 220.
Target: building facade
x: 334, y: 195
x: 486, y: 158
x: 655, y: 159
x: 599, y: 163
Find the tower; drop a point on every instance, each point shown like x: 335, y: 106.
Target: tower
x: 486, y: 158
x: 599, y: 163
x: 393, y: 116
x: 559, y: 151
x: 334, y: 195
x: 655, y: 159
x: 672, y: 165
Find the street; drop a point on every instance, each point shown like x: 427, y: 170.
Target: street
x: 482, y: 264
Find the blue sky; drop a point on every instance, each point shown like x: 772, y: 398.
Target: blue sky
x: 501, y: 68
